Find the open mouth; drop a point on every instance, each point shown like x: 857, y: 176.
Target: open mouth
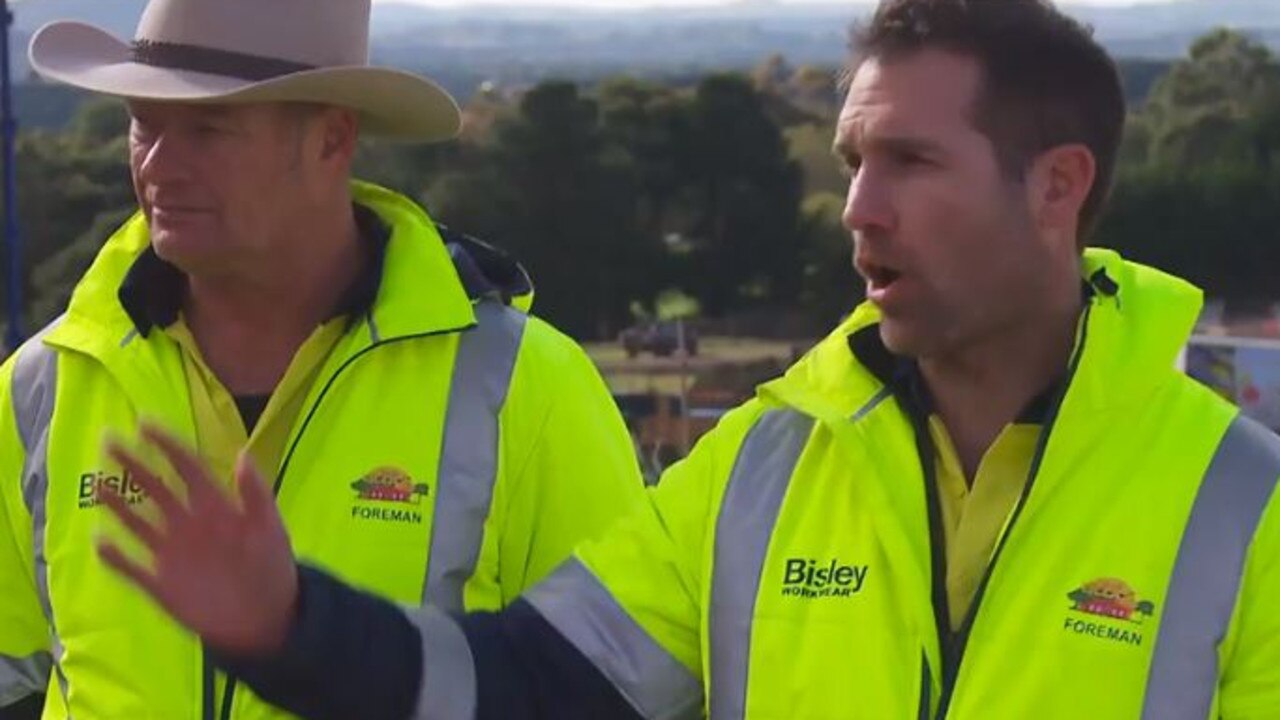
x: 879, y: 276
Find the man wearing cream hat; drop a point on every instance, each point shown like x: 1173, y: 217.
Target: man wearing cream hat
x: 296, y: 339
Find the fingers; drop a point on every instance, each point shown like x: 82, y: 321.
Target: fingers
x: 170, y: 507
x: 255, y: 495
x: 145, y: 531
x: 136, y: 573
x: 201, y: 489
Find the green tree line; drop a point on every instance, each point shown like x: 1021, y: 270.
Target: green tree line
x: 627, y: 196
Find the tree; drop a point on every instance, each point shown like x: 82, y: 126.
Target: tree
x: 1198, y: 180
x: 810, y: 146
x: 54, y: 279
x: 1214, y: 227
x: 409, y: 168
x: 644, y: 120
x: 814, y: 89
x: 99, y: 122
x: 1199, y: 112
x: 65, y: 181
x: 771, y: 74
x: 831, y: 286
x: 744, y: 198
x: 559, y: 196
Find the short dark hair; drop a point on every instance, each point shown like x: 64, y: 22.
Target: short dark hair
x: 1046, y: 81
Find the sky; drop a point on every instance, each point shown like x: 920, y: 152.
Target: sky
x: 653, y: 3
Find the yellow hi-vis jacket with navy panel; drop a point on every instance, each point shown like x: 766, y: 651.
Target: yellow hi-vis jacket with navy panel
x: 452, y: 451
x: 791, y: 568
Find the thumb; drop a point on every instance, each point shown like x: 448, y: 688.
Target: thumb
x: 256, y: 495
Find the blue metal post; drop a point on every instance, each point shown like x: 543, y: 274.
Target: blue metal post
x: 9, y: 128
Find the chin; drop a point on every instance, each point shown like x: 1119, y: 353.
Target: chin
x: 185, y: 251
x: 898, y: 338
x: 908, y: 340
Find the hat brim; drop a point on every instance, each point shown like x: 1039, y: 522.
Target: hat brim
x: 391, y: 103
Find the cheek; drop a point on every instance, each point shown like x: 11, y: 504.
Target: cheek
x: 942, y: 224
x: 247, y: 181
x: 979, y: 215
x: 258, y: 195
x: 967, y: 239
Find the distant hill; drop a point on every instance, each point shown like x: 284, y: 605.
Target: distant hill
x: 465, y: 46
x: 1159, y: 30
x: 47, y: 106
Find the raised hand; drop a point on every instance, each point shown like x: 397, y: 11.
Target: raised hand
x: 221, y: 567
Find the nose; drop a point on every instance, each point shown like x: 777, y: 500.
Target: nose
x: 161, y: 160
x: 868, y: 207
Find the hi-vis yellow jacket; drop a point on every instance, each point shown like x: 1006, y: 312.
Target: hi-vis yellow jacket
x: 452, y: 451
x: 788, y: 569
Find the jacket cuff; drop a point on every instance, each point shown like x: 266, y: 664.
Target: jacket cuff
x: 347, y: 654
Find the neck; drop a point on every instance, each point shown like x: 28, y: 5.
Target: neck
x: 250, y: 324
x: 980, y: 389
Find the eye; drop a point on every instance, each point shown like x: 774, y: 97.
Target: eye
x: 849, y: 165
x: 912, y: 158
x: 908, y: 158
x: 141, y: 129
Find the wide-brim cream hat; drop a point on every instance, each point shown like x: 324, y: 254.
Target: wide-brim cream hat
x: 248, y: 51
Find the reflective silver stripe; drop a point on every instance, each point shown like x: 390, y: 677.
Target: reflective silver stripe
x: 653, y: 682
x: 448, y: 689
x: 874, y: 403
x: 482, y: 373
x: 35, y: 375
x: 748, y: 513
x: 34, y: 380
x: 20, y: 677
x: 1206, y: 577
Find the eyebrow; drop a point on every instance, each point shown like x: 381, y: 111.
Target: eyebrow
x: 215, y: 112
x: 893, y: 144
x: 205, y: 112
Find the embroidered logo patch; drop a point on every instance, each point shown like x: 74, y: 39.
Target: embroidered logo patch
x: 1116, y: 606
x: 813, y: 579
x: 388, y: 486
x: 92, y: 484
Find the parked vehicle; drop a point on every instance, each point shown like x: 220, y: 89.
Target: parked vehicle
x: 662, y: 338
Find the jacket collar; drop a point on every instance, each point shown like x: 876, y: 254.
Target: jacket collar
x: 415, y: 290
x: 152, y: 291
x: 902, y: 376
x: 1136, y: 320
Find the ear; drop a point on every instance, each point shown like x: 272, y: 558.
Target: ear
x: 340, y: 131
x: 1059, y: 183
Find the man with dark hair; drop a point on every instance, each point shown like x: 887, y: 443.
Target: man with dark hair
x: 987, y: 494
x: 1045, y: 82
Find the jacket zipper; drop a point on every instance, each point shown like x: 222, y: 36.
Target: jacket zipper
x: 926, y: 683
x: 209, y: 689
x: 953, y: 644
x: 228, y: 696
x: 230, y: 692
